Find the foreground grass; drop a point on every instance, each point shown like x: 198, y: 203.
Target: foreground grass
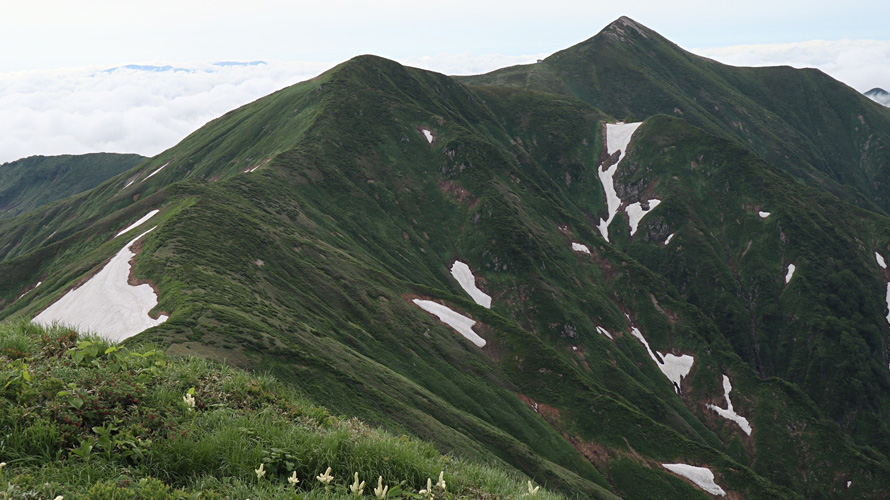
x: 85, y: 419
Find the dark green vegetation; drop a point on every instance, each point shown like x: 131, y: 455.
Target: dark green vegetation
x: 815, y: 128
x: 28, y: 183
x: 295, y: 231
x: 86, y: 420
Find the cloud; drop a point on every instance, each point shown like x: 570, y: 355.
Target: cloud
x: 148, y: 108
x: 861, y: 64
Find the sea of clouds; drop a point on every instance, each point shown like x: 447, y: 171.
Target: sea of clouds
x: 148, y: 108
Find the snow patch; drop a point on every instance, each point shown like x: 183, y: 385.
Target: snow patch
x: 675, y: 368
x: 138, y: 222
x: 888, y: 302
x: 107, y: 304
x: 580, y: 248
x: 701, y: 476
x: 467, y: 281
x: 635, y: 213
x: 617, y: 138
x: 729, y: 413
x: 789, y: 273
x: 669, y: 238
x: 129, y: 183
x: 460, y: 323
x: 428, y: 135
x: 156, y: 171
x: 849, y: 483
x: 881, y: 261
x: 763, y: 215
x: 604, y: 332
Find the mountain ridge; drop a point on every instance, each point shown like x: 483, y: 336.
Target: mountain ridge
x: 294, y: 232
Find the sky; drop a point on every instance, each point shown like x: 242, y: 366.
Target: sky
x: 65, y: 85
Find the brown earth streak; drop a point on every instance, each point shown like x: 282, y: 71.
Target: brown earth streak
x: 458, y: 192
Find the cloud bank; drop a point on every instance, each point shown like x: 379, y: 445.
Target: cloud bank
x: 861, y: 64
x: 148, y: 108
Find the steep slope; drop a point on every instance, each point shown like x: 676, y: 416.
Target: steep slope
x: 30, y: 182
x: 817, y: 129
x: 596, y: 375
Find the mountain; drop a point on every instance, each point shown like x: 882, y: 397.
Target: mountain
x: 30, y: 182
x: 432, y: 257
x: 817, y: 129
x: 879, y: 96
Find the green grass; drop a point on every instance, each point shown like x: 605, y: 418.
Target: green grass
x: 84, y: 419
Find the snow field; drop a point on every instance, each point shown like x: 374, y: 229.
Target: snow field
x: 580, y: 248
x: 881, y: 261
x: 789, y: 273
x: 635, y: 213
x: 428, y: 135
x: 107, y: 304
x: 467, y: 281
x: 729, y: 413
x: 460, y: 323
x: 669, y: 238
x: 673, y: 367
x: 701, y: 476
x: 763, y: 215
x: 604, y: 332
x: 888, y: 302
x: 138, y: 222
x: 617, y: 138
x: 156, y: 171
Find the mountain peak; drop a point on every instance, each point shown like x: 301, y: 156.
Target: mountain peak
x: 879, y: 95
x: 620, y: 28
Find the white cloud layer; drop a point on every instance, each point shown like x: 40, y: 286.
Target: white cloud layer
x: 861, y: 64
x: 150, y: 108
x: 147, y: 110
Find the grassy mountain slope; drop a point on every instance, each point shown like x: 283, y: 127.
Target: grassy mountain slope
x: 306, y: 267
x: 30, y: 182
x: 86, y: 420
x: 817, y: 129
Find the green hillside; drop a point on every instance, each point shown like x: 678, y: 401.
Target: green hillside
x: 817, y: 129
x: 34, y: 181
x: 295, y: 233
x: 86, y: 420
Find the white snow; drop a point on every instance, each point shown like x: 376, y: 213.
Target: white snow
x: 604, y: 332
x: 467, y: 281
x: 701, y: 476
x: 38, y: 284
x: 128, y: 184
x: 138, y: 222
x: 460, y: 323
x: 107, y: 304
x: 580, y: 248
x: 729, y: 413
x: 789, y: 273
x: 635, y: 213
x: 763, y: 215
x: 669, y: 238
x: 156, y: 171
x: 849, y: 483
x: 888, y: 302
x: 881, y: 261
x: 673, y: 367
x: 617, y: 138
x: 428, y: 135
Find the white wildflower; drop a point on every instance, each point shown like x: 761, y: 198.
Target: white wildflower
x: 429, y: 488
x: 261, y: 471
x: 532, y: 489
x: 380, y: 490
x: 293, y: 479
x: 189, y: 401
x: 441, y: 482
x: 325, y: 478
x: 357, y: 487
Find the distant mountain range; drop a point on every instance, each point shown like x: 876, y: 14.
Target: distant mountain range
x: 879, y: 95
x: 624, y: 271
